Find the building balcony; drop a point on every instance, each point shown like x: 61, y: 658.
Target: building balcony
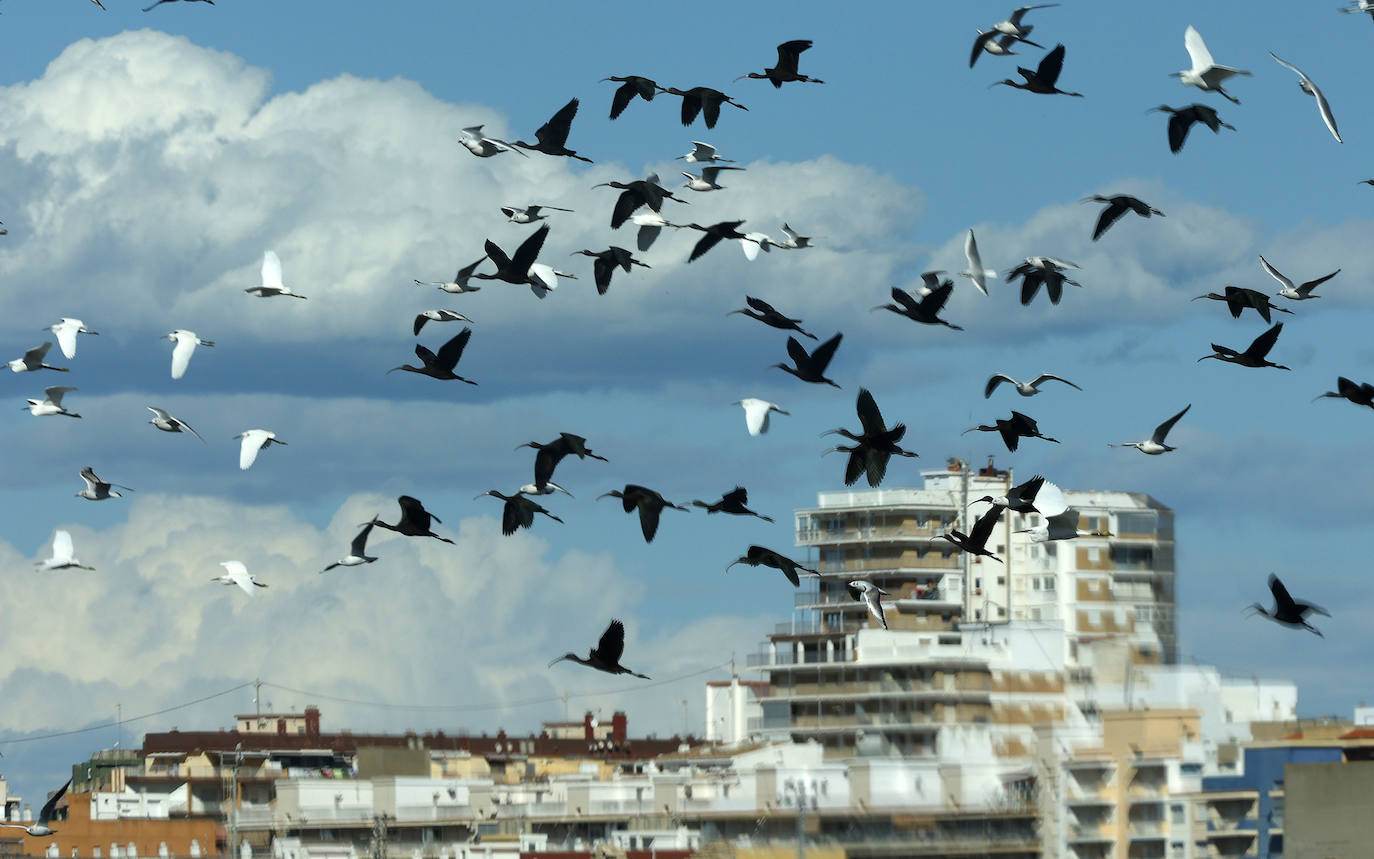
x: 1143, y: 830
x: 877, y: 691
x: 1087, y: 794
x: 1086, y: 832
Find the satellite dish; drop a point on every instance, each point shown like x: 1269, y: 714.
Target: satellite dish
x: 595, y: 721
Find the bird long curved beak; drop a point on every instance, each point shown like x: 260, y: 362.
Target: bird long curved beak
x: 483, y: 495
x: 969, y: 430
x: 556, y: 661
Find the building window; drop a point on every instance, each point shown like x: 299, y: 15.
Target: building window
x: 1035, y: 584
x: 1094, y: 555
x: 1176, y: 815
x: 1001, y: 612
x: 1001, y: 580
x: 1049, y: 583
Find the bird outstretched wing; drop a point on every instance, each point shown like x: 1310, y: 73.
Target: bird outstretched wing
x: 612, y: 643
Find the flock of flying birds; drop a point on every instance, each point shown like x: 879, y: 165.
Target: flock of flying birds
x: 641, y: 203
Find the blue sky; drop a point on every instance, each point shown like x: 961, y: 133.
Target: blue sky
x: 151, y: 159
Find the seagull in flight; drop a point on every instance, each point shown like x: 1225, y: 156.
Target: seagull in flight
x: 869, y: 594
x: 51, y: 404
x: 271, y: 279
x: 529, y: 214
x: 1323, y: 106
x: 33, y: 360
x: 186, y: 343
x: 165, y: 422
x: 437, y: 316
x: 1205, y: 74
x: 97, y: 489
x: 254, y: 440
x: 160, y: 2
x: 237, y: 574
x: 1155, y: 445
x: 459, y: 284
x: 756, y: 414
x: 1297, y: 293
x: 975, y: 271
x: 41, y: 827
x: 1025, y: 389
x: 479, y: 144
x: 702, y: 153
x: 357, y: 551
x: 66, y: 331
x: 62, y: 554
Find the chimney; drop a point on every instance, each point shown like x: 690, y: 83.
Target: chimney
x: 618, y: 726
x: 588, y: 732
x: 312, y: 721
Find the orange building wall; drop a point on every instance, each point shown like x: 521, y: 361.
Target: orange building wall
x: 80, y: 832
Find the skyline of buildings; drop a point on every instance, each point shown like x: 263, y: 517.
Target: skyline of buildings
x: 1034, y: 708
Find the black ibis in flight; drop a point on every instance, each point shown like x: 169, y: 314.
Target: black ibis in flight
x: 552, y: 453
x: 1359, y: 393
x: 714, y: 235
x: 630, y: 86
x: 1118, y: 205
x: 1047, y: 270
x: 516, y: 267
x: 649, y: 503
x: 552, y: 136
x: 701, y: 100
x: 1036, y: 495
x: 1181, y: 120
x: 873, y: 447
x: 975, y: 542
x: 756, y: 556
x: 1238, y: 298
x: 440, y: 366
x: 732, y: 502
x: 1013, y: 429
x: 606, y: 263
x: 640, y: 192
x: 1044, y: 78
x: 415, y: 520
x: 810, y: 366
x: 926, y: 310
x: 518, y: 511
x: 768, y: 315
x: 1155, y: 445
x: 1255, y: 355
x: 786, y: 69
x: 606, y: 655
x: 357, y: 551
x: 1287, y: 610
